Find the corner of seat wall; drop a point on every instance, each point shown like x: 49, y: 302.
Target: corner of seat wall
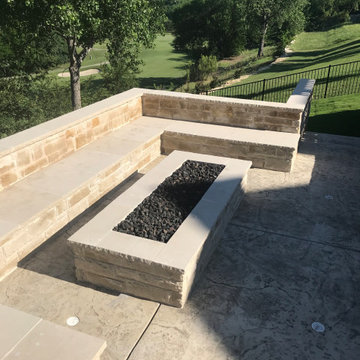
x: 28, y: 151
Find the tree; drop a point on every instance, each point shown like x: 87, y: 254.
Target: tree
x: 22, y: 53
x: 286, y: 16
x: 322, y: 13
x: 209, y: 27
x: 125, y: 26
x: 171, y: 5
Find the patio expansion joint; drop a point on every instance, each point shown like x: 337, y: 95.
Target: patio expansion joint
x: 143, y: 333
x: 342, y: 247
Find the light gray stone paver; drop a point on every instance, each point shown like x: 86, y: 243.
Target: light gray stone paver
x: 50, y: 341
x: 14, y: 326
x: 263, y: 137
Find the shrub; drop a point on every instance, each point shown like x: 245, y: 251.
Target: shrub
x: 207, y: 65
x: 201, y: 87
x: 201, y: 69
x: 237, y: 73
x: 118, y: 77
x: 216, y: 82
x: 26, y: 102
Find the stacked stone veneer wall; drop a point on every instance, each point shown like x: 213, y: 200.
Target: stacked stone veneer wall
x: 262, y: 156
x: 250, y: 114
x: 36, y: 148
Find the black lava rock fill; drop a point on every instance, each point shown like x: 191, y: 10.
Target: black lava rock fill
x: 161, y: 213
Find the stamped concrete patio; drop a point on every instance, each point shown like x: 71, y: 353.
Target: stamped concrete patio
x: 290, y: 256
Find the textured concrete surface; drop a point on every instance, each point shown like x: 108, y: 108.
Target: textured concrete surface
x: 289, y: 257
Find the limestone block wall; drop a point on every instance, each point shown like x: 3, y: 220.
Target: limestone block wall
x: 250, y: 114
x: 263, y: 156
x: 27, y: 152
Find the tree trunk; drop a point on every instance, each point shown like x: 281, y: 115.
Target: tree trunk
x: 262, y: 41
x: 75, y: 87
x: 74, y: 69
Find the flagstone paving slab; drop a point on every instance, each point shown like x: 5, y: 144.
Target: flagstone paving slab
x: 24, y: 336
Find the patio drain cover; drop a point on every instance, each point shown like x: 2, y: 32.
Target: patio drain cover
x: 318, y: 327
x: 72, y: 321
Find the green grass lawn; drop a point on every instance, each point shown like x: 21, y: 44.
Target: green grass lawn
x: 93, y: 60
x: 317, y: 49
x: 162, y: 65
x: 338, y: 115
x: 247, y: 62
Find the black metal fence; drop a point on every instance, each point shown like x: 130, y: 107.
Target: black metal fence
x: 332, y: 80
x: 305, y: 115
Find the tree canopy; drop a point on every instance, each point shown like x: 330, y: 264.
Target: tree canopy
x: 23, y: 53
x: 322, y: 13
x: 223, y: 28
x: 209, y: 27
x: 125, y: 26
x: 283, y: 19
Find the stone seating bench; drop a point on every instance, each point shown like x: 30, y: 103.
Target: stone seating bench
x: 54, y: 171
x: 271, y: 150
x: 150, y: 269
x: 42, y: 203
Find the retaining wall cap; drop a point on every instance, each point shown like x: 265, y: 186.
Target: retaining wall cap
x: 223, y: 100
x: 300, y: 95
x: 56, y: 125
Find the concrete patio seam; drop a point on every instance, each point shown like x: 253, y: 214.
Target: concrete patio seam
x: 300, y: 238
x: 143, y: 333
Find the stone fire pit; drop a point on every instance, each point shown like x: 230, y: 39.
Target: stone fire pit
x: 158, y: 271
